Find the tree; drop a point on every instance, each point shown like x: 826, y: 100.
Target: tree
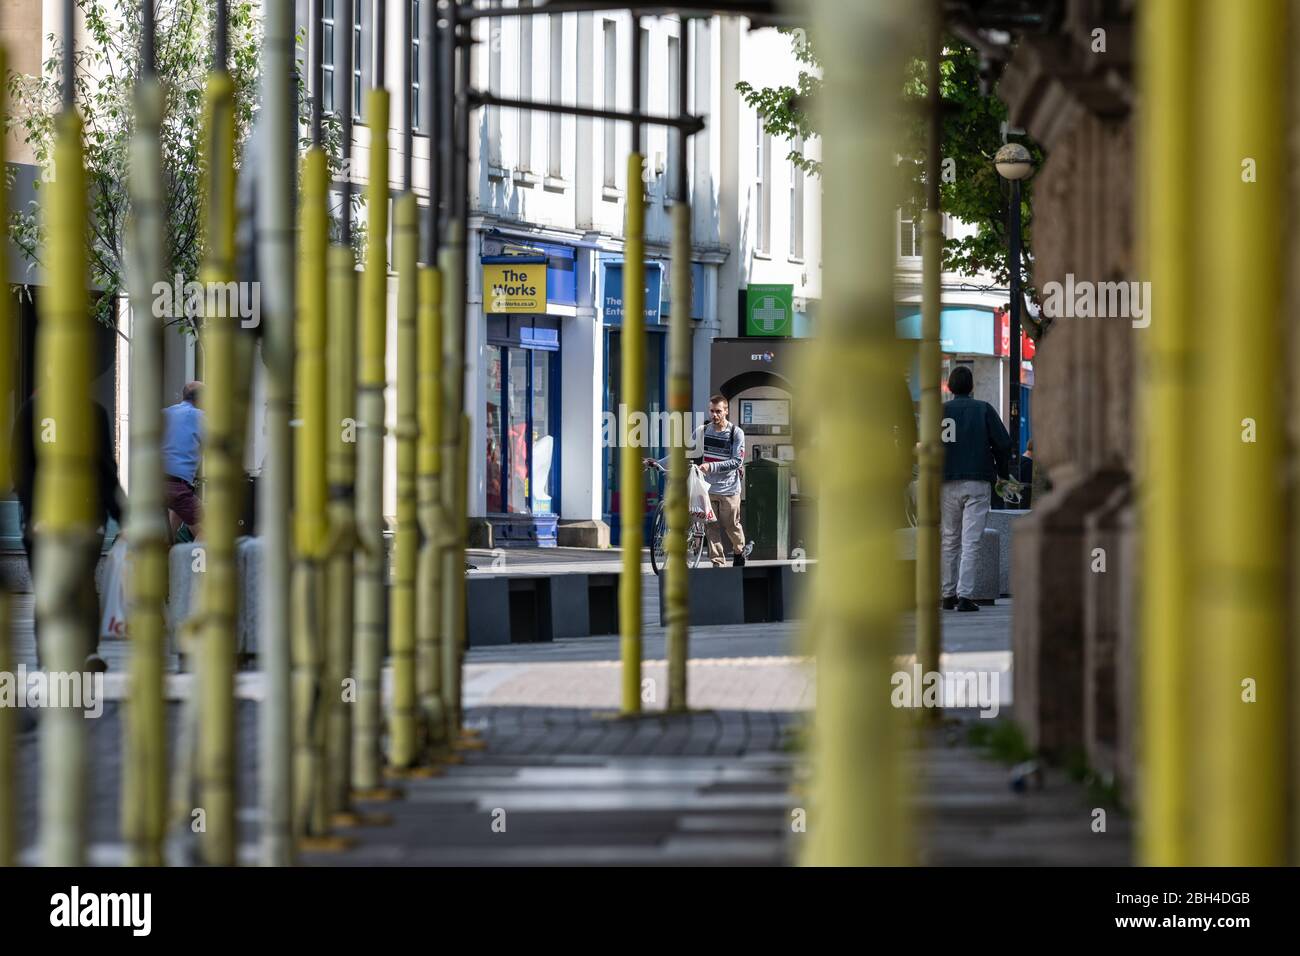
x: 969, y: 189
x: 106, y: 66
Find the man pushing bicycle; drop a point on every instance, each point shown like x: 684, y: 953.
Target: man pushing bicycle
x: 723, y: 447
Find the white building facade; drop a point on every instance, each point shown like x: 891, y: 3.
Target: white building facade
x: 541, y: 387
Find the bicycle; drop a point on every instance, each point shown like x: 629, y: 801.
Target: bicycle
x: 696, y: 537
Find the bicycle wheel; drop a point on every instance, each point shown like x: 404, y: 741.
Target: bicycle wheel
x: 697, y: 544
x: 659, y: 541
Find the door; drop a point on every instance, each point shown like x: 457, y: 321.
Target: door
x: 655, y: 406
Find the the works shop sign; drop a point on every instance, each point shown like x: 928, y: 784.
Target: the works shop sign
x: 514, y: 285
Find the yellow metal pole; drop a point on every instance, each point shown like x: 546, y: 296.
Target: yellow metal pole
x: 402, y: 724
x: 8, y: 356
x: 311, y: 523
x: 458, y: 636
x: 856, y: 814
x: 679, y: 405
x: 341, y: 468
x: 1167, y: 156
x: 65, y: 492
x: 930, y: 479
x: 452, y: 258
x: 432, y: 518
x: 1239, y: 605
x: 144, y: 777
x: 216, y: 653
x: 630, y: 482
x: 367, y: 761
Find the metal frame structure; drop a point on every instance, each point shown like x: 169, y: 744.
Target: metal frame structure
x: 855, y: 622
x: 465, y: 99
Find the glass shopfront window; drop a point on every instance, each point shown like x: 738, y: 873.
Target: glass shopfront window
x: 522, y: 422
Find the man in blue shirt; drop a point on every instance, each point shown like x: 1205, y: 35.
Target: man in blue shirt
x: 181, y: 442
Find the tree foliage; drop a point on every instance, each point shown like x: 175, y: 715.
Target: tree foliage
x: 971, y: 135
x: 107, y: 64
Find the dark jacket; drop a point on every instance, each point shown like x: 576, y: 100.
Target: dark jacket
x: 108, y: 493
x: 980, y: 448
x: 1026, y: 479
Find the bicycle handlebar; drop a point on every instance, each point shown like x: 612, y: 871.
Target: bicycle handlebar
x: 658, y: 467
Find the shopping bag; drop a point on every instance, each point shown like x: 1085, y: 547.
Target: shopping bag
x: 112, y: 622
x: 698, y: 489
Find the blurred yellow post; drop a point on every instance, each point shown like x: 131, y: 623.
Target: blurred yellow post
x: 676, y: 506
x: 341, y: 468
x: 1167, y: 157
x: 8, y: 360
x: 1239, y: 606
x: 857, y: 809
x: 65, y: 492
x: 311, y: 706
x: 630, y: 479
x: 402, y: 722
x: 144, y: 771
x: 930, y: 479
x: 432, y: 519
x: 222, y: 468
x: 452, y: 264
x: 371, y: 558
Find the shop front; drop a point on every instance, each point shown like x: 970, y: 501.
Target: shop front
x: 967, y: 336
x: 523, y: 281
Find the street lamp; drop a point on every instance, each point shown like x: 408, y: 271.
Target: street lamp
x: 1013, y: 164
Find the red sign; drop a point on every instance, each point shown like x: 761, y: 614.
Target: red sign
x: 1004, y: 337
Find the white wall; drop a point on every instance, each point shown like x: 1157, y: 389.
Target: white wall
x: 764, y: 58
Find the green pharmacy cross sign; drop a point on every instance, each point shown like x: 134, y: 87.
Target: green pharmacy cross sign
x: 769, y: 309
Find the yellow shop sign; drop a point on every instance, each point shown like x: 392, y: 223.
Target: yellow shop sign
x: 514, y: 287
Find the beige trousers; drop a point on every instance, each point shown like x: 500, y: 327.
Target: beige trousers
x: 726, y: 508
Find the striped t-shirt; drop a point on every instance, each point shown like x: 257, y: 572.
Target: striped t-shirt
x: 725, y: 450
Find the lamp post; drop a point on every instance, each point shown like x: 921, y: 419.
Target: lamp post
x: 1013, y: 164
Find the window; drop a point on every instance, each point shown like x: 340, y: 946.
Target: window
x: 358, y: 51
x: 643, y: 147
x: 554, y: 121
x: 415, y: 65
x: 674, y: 92
x: 644, y: 40
x: 796, y: 202
x: 762, y: 189
x: 525, y: 90
x: 327, y: 57
x: 609, y: 128
x: 494, y: 87
x: 523, y: 423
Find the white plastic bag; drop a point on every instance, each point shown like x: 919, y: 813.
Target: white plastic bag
x: 699, y: 496
x: 112, y: 622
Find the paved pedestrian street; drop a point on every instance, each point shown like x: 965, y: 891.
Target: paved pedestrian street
x: 559, y: 779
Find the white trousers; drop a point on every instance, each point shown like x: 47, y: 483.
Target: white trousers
x: 965, y: 508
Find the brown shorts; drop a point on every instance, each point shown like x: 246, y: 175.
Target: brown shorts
x: 180, y: 498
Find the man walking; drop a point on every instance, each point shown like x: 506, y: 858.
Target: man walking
x: 723, y: 448
x: 181, y: 441
x: 976, y: 452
